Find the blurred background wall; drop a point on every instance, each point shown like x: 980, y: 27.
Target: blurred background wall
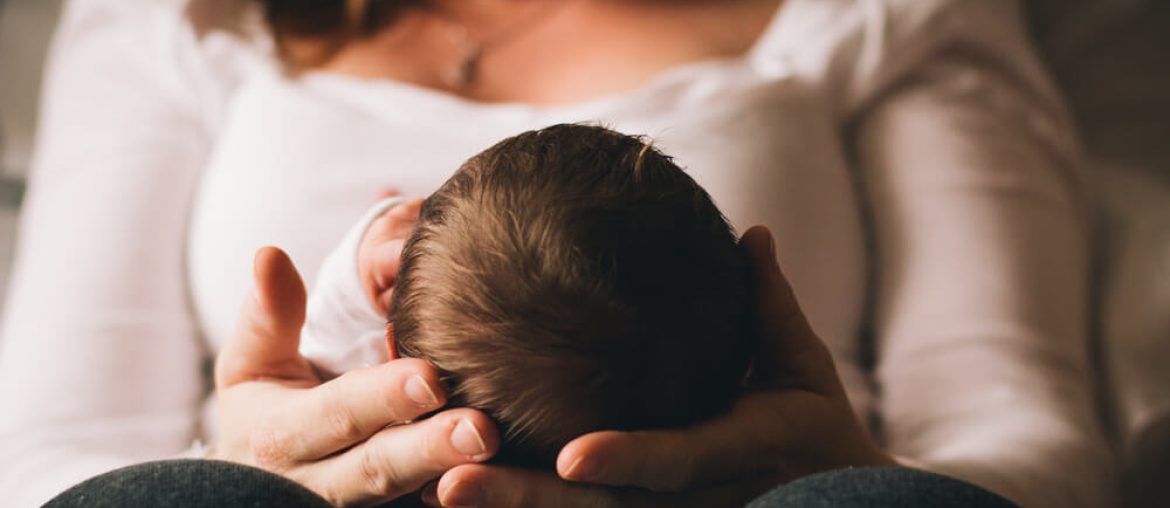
x: 25, y: 29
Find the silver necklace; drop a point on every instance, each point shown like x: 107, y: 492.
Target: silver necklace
x: 464, y: 73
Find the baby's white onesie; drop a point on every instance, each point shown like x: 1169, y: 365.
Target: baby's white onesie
x: 343, y: 331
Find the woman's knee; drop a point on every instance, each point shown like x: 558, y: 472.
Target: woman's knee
x: 188, y: 484
x: 879, y: 487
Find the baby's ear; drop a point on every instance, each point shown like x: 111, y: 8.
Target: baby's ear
x: 391, y: 346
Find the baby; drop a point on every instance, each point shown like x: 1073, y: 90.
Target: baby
x: 566, y: 280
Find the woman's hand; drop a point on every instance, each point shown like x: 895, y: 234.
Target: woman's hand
x: 796, y: 420
x: 380, y: 249
x: 349, y: 439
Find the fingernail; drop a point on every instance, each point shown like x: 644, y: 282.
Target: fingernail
x: 583, y: 470
x: 771, y: 245
x: 420, y: 391
x: 461, y: 495
x: 466, y: 439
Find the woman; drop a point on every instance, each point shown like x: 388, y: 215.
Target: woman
x: 910, y: 155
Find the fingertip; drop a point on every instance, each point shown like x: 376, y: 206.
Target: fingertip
x: 758, y: 234
x: 269, y: 259
x: 472, y: 434
x: 463, y: 485
x: 268, y: 327
x: 277, y: 280
x: 581, y: 459
x: 579, y: 468
x: 660, y: 460
x: 267, y: 253
x: 416, y: 379
x: 760, y: 245
x: 419, y: 390
x: 462, y: 436
x: 460, y: 473
x: 756, y: 231
x: 261, y: 265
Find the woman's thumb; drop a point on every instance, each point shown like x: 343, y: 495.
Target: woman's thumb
x: 788, y: 351
x: 267, y: 335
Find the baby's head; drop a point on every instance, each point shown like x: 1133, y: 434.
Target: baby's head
x: 574, y: 279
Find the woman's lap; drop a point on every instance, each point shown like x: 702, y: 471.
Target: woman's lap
x: 879, y: 487
x: 188, y: 484
x: 205, y: 483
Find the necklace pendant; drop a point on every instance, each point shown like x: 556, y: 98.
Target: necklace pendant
x: 464, y: 74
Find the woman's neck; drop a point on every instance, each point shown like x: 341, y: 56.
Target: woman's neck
x: 552, y: 51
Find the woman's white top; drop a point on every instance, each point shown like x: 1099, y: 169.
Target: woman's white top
x: 913, y: 161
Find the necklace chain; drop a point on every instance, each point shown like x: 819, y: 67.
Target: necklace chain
x: 465, y: 72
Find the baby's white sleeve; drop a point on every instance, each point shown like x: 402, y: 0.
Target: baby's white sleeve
x: 342, y: 329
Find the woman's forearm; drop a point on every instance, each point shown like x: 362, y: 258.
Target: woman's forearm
x: 101, y: 363
x: 983, y: 251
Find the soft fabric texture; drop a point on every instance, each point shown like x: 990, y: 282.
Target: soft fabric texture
x: 188, y: 484
x: 878, y: 487
x: 206, y: 483
x: 910, y: 156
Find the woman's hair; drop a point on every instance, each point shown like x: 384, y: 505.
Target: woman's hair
x: 326, y: 24
x: 574, y: 279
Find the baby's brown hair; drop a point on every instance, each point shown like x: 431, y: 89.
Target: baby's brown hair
x: 574, y: 279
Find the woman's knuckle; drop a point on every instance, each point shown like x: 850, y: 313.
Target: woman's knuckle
x: 427, y: 441
x: 269, y: 448
x: 343, y: 424
x: 376, y: 474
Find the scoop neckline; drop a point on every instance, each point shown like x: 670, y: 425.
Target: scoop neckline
x: 674, y: 75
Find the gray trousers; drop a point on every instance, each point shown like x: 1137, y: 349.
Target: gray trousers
x: 205, y: 483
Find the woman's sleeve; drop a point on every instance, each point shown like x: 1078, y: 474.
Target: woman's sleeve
x: 981, y: 276
x: 100, y: 361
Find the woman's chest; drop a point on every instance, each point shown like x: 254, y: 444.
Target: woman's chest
x: 295, y: 168
x: 553, y: 52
